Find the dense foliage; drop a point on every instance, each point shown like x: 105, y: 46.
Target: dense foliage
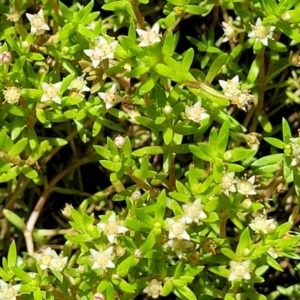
x: 149, y: 149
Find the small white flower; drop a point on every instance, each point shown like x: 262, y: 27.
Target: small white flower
x: 112, y: 228
x: 239, y: 270
x: 153, y: 289
x: 95, y: 54
x: 111, y: 98
x: 246, y: 187
x: 45, y: 258
x: 228, y: 183
x: 295, y: 144
x: 261, y: 32
x: 193, y: 212
x: 149, y: 36
x: 58, y: 263
x: 231, y: 87
x: 196, y: 113
x: 179, y: 246
x: 51, y: 92
x: 13, y: 14
x: 260, y: 223
x: 12, y: 95
x: 8, y: 291
x: 229, y: 31
x: 243, y: 100
x: 177, y: 229
x: 102, y: 259
x: 107, y: 48
x: 37, y: 22
x: 79, y: 84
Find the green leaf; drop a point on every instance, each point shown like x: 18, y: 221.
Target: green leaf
x: 12, y: 255
x: 21, y: 274
x: 264, y: 122
x: 29, y: 172
x: 268, y: 160
x: 286, y: 131
x: 104, y: 152
x: 148, y: 85
x: 167, y: 288
x: 182, y: 290
x: 275, y: 142
x: 143, y: 174
x: 196, y: 10
x: 18, y: 147
x: 14, y: 219
x: 161, y: 205
x: 216, y: 67
x: 229, y: 253
x: 273, y: 263
x: 197, y: 151
x: 114, y: 5
x: 138, y: 71
x: 152, y: 150
x: 223, y: 138
x: 187, y: 60
x: 112, y: 166
x: 68, y: 15
x: 254, y: 69
x: 277, y: 46
x: 239, y: 154
x: 244, y: 242
x: 288, y: 31
x: 149, y: 243
x: 168, y: 45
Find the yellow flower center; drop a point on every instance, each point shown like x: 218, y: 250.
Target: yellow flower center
x: 261, y: 31
x: 111, y: 227
x: 12, y: 95
x: 51, y: 91
x: 177, y: 228
x: 246, y: 187
x: 46, y: 259
x: 78, y: 84
x: 102, y: 259
x: 193, y: 211
x: 240, y: 270
x: 37, y: 22
x: 8, y: 293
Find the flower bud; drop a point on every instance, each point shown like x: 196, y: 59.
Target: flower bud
x: 5, y: 57
x: 138, y: 254
x: 177, y: 10
x: 119, y: 141
x: 24, y: 44
x: 167, y: 110
x: 294, y: 58
x: 80, y: 269
x: 98, y: 296
x: 246, y: 251
x: 227, y: 156
x: 65, y: 50
x: 247, y: 203
x: 66, y: 211
x: 286, y: 16
x: 136, y: 195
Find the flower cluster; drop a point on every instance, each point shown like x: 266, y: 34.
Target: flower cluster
x: 231, y: 89
x: 261, y: 224
x: 242, y: 186
x: 179, y: 239
x: 261, y: 32
x: 239, y: 270
x: 102, y: 49
x: 49, y: 259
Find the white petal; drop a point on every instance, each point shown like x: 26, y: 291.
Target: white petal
x: 95, y: 62
x: 235, y: 79
x: 155, y: 28
x: 108, y: 105
x: 44, y: 85
x: 110, y: 265
x: 185, y: 236
x: 94, y: 253
x: 141, y: 32
x: 88, y: 52
x: 112, y: 217
x: 122, y: 229
x: 29, y: 16
x: 45, y: 98
x: 111, y: 238
x: 258, y: 22
x: 57, y: 85
x: 109, y: 250
x: 41, y: 13
x: 202, y: 215
x: 102, y: 226
x: 45, y: 27
x: 232, y: 277
x: 102, y: 95
x: 247, y: 276
x: 143, y: 44
x: 264, y: 41
x: 252, y: 34
x: 223, y: 84
x: 56, y: 99
x: 95, y: 266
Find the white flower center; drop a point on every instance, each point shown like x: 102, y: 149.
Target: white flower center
x: 231, y: 88
x: 51, y: 91
x: 13, y: 16
x: 154, y: 288
x: 246, y: 187
x: 149, y: 36
x: 261, y: 31
x: 8, y: 293
x: 193, y: 211
x: 12, y: 95
x: 177, y: 228
x: 37, y: 22
x: 111, y: 227
x: 227, y: 182
x: 240, y: 270
x: 110, y: 97
x: 195, y: 113
x: 45, y: 259
x: 102, y: 259
x: 78, y: 84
